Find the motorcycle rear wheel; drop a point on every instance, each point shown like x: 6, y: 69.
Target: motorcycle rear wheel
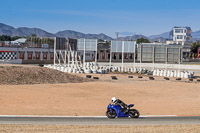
x: 134, y: 113
x: 112, y: 114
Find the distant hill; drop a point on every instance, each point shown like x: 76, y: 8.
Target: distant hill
x: 75, y: 34
x: 162, y: 35
x: 9, y: 30
x: 24, y: 31
x: 134, y: 37
x: 29, y: 31
x: 196, y: 34
x: 165, y: 35
x: 158, y: 39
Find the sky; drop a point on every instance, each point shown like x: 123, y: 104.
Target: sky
x: 128, y: 17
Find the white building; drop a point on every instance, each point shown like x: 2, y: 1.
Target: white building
x: 19, y: 41
x: 182, y: 35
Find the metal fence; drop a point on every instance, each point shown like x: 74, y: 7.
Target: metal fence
x: 87, y: 44
x: 123, y: 46
x: 159, y: 53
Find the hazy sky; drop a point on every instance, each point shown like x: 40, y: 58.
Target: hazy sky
x: 146, y: 17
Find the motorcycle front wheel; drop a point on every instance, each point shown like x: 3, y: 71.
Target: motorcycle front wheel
x: 111, y: 114
x: 134, y: 113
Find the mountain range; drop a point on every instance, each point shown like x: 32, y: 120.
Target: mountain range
x: 24, y: 31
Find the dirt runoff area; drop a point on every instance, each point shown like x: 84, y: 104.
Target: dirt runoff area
x: 151, y: 97
x: 99, y: 129
x: 29, y: 74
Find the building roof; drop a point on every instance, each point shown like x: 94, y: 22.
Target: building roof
x: 161, y: 44
x: 189, y: 28
x: 20, y: 40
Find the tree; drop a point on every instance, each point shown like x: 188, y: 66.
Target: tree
x: 37, y: 41
x: 193, y: 56
x: 15, y: 38
x: 34, y: 35
x: 190, y: 55
x: 194, y: 47
x: 186, y: 55
x: 142, y: 40
x: 8, y: 38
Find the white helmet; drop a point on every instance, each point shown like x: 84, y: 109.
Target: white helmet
x: 114, y: 99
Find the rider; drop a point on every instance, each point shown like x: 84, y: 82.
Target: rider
x: 124, y: 106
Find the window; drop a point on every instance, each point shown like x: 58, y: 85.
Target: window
x: 178, y: 30
x: 87, y: 54
x: 21, y: 56
x: 179, y: 37
x: 52, y: 56
x: 126, y: 56
x: 120, y: 56
x: 37, y: 56
x: 114, y: 57
x: 45, y: 56
x: 131, y: 56
x: 29, y: 56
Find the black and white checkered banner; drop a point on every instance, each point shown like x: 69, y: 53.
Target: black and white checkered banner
x: 8, y: 55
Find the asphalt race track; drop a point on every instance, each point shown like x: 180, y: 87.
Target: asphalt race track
x: 100, y: 120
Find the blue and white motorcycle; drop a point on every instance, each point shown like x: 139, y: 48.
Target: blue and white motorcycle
x: 114, y: 111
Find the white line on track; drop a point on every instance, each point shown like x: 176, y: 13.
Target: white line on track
x: 51, y: 116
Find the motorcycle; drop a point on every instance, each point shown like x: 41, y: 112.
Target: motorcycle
x: 114, y: 111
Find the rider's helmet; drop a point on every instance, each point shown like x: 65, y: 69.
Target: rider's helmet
x: 114, y: 99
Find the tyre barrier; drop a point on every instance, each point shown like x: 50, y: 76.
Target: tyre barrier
x: 150, y: 73
x: 173, y: 73
x: 130, y: 77
x: 94, y: 71
x: 190, y: 79
x: 178, y: 79
x: 151, y: 78
x: 88, y: 76
x: 144, y: 72
x: 140, y: 77
x: 91, y: 67
x: 114, y: 77
x: 95, y: 77
x: 166, y: 78
x: 41, y: 65
x: 87, y: 71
